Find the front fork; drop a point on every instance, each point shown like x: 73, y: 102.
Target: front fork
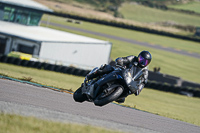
x: 88, y: 91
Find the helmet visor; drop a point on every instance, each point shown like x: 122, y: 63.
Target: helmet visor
x: 142, y: 61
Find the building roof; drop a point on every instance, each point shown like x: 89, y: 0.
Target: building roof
x: 43, y: 34
x: 27, y: 4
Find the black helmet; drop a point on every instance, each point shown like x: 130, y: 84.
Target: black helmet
x: 144, y: 58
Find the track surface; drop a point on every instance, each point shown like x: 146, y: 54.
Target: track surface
x: 29, y: 100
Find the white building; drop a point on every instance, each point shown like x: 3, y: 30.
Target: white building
x: 50, y: 44
x: 25, y: 12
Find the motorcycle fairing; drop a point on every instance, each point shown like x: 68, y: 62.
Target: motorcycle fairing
x: 132, y: 78
x: 113, y: 76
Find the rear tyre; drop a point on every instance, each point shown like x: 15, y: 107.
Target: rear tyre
x: 78, y: 96
x: 101, y: 100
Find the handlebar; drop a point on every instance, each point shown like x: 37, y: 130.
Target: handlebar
x: 121, y: 67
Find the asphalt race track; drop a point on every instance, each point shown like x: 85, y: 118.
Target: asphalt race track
x: 29, y: 100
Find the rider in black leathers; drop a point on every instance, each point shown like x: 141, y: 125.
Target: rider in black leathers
x: 141, y: 62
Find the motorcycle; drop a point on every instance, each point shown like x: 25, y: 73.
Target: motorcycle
x: 109, y: 87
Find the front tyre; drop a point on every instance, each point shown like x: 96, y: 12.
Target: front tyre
x: 102, y: 100
x: 78, y: 96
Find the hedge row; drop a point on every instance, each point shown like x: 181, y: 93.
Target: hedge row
x: 45, y: 66
x: 125, y: 26
x: 164, y: 7
x: 81, y: 72
x: 174, y: 89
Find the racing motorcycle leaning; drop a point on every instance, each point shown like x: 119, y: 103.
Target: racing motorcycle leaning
x: 110, y: 87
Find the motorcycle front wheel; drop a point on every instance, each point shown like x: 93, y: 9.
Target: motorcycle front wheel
x: 104, y: 99
x: 78, y: 96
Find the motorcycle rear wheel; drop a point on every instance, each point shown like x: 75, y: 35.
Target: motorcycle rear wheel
x: 101, y: 100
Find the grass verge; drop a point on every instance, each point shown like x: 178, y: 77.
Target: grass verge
x: 10, y: 123
x: 165, y: 104
x: 54, y: 79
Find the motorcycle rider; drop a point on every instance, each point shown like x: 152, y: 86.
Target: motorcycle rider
x: 140, y: 62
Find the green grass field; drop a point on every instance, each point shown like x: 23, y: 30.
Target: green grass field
x: 10, y: 123
x: 170, y: 63
x: 131, y: 34
x: 191, y: 6
x: 165, y: 104
x: 151, y: 15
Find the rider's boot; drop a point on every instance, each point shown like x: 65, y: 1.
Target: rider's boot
x: 102, y: 70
